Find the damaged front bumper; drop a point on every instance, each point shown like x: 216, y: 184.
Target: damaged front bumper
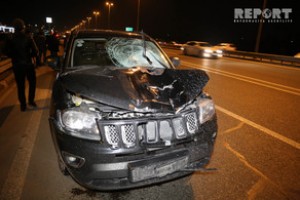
x: 96, y: 165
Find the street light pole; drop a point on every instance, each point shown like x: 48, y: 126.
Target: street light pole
x: 260, y: 27
x: 138, y: 16
x: 96, y: 13
x: 109, y: 4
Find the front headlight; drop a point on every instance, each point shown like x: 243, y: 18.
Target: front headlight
x: 208, y: 51
x: 219, y: 51
x: 81, y: 123
x: 206, y: 109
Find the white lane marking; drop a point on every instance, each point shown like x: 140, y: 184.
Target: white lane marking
x: 253, y: 191
x: 13, y: 186
x: 261, y: 128
x: 275, y: 86
x: 240, y: 125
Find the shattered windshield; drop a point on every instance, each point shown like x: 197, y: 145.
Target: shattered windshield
x: 117, y: 51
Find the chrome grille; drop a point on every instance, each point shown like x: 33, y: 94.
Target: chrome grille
x: 191, y: 122
x: 165, y: 130
x: 128, y: 133
x: 179, y: 128
x: 111, y: 134
x: 151, y: 131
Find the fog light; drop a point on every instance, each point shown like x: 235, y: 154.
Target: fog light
x: 73, y: 161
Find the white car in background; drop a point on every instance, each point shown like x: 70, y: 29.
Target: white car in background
x: 226, y: 46
x: 201, y: 49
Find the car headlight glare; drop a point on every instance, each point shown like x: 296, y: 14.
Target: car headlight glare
x: 81, y: 124
x: 208, y: 51
x: 206, y: 109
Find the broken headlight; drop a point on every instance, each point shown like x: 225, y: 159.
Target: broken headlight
x: 206, y: 109
x: 82, y: 123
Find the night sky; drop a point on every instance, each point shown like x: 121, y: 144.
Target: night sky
x: 177, y: 20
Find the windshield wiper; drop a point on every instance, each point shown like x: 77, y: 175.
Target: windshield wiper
x: 144, y: 52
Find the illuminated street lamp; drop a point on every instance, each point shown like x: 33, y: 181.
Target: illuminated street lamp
x: 109, y: 4
x: 96, y: 13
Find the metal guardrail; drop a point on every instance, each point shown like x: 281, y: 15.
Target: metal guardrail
x: 264, y: 57
x: 261, y: 57
x: 5, y: 65
x: 5, y: 72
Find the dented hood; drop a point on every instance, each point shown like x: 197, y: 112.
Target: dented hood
x: 137, y: 89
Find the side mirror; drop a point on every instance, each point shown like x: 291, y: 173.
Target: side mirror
x: 54, y: 62
x: 175, y: 61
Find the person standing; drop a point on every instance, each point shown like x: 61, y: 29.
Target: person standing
x: 21, y: 48
x: 40, y: 41
x: 53, y: 46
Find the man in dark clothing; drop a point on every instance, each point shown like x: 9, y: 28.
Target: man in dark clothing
x: 40, y: 41
x: 21, y: 48
x: 53, y: 46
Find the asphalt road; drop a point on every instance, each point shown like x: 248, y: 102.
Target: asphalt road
x: 257, y: 151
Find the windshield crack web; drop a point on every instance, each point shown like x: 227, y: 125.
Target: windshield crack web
x: 130, y: 53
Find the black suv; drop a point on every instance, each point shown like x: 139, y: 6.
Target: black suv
x: 122, y: 116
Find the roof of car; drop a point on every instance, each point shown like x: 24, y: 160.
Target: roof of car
x: 110, y: 33
x: 197, y: 42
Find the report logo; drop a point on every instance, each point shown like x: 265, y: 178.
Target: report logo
x: 257, y: 15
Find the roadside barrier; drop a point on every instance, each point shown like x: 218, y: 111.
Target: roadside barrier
x: 261, y: 57
x: 5, y: 73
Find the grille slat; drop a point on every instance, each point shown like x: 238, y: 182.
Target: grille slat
x: 128, y: 135
x: 191, y: 122
x: 179, y: 128
x: 151, y: 131
x: 111, y: 134
x: 165, y: 130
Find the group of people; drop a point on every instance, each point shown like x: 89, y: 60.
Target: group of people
x: 27, y: 52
